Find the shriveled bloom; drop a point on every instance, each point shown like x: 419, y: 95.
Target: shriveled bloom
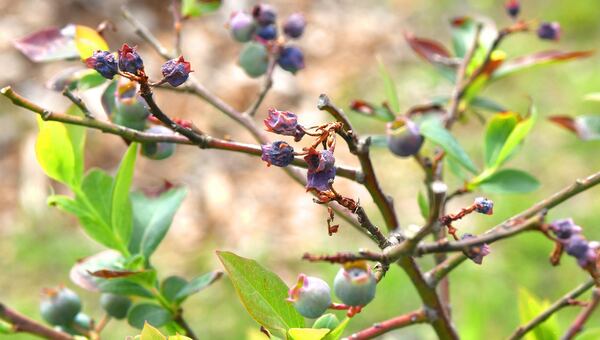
x: 176, y: 71
x: 129, y: 60
x: 564, y: 228
x: 104, y: 62
x: 549, y: 31
x: 321, y: 169
x: 476, y: 253
x: 278, y: 153
x: 484, y: 206
x: 585, y: 252
x: 284, y: 123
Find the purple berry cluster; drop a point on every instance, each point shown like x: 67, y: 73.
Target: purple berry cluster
x: 569, y: 235
x: 259, y: 31
x: 545, y: 31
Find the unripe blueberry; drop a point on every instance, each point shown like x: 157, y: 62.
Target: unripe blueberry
x: 129, y: 60
x: 268, y: 32
x: 129, y: 111
x: 284, y: 123
x: 355, y: 284
x: 82, y: 321
x: 549, y: 31
x: 176, y: 71
x: 326, y: 321
x: 242, y: 26
x: 115, y: 305
x: 264, y: 14
x: 254, y: 59
x: 311, y: 296
x: 404, y: 140
x: 104, y: 62
x: 294, y: 25
x: 278, y: 153
x: 161, y: 150
x: 484, y: 206
x: 60, y: 306
x: 291, y: 59
x: 321, y: 169
x: 512, y: 8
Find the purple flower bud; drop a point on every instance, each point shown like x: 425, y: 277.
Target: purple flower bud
x: 484, y: 206
x: 565, y: 228
x: 104, y: 62
x: 176, y: 71
x: 294, y: 25
x: 476, y: 253
x: 264, y: 14
x: 291, y: 59
x: 129, y: 60
x: 311, y: 296
x: 321, y: 169
x: 284, y: 123
x: 549, y: 31
x: 268, y: 32
x: 577, y: 246
x: 242, y: 26
x: 512, y: 8
x: 278, y: 153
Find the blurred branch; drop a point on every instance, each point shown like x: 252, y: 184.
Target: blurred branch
x: 179, y: 320
x: 23, y: 324
x: 418, y: 316
x: 555, y: 307
x: 177, y: 24
x: 583, y: 317
x: 439, y: 272
x: 268, y: 83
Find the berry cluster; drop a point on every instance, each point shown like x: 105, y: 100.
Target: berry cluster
x: 546, y: 30
x: 568, y: 234
x: 354, y: 285
x: 260, y: 33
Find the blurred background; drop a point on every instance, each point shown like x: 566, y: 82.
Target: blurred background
x: 236, y: 203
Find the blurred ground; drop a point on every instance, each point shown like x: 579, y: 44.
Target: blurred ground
x: 235, y: 203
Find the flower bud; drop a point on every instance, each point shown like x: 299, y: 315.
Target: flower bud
x: 268, y: 32
x: 254, y: 59
x: 355, y: 284
x: 284, y: 123
x: 115, y: 305
x: 104, y: 62
x: 294, y: 25
x: 476, y: 253
x: 321, y: 169
x: 484, y: 206
x: 311, y: 296
x: 291, y: 59
x: 161, y: 150
x: 129, y: 60
x: 264, y: 14
x: 242, y: 26
x: 512, y: 8
x: 404, y: 140
x: 176, y: 71
x: 278, y: 153
x: 565, y: 228
x: 549, y: 31
x: 60, y: 306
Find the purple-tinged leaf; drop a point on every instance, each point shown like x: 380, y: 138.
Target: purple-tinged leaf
x: 535, y: 59
x: 49, y: 44
x: 428, y: 49
x: 586, y: 127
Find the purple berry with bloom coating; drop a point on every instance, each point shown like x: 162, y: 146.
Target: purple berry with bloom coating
x: 311, y: 296
x: 476, y: 253
x: 268, y: 32
x: 242, y: 26
x: 355, y: 284
x: 291, y: 59
x: 404, y: 141
x: 129, y: 60
x: 565, y: 228
x: 104, y: 62
x: 176, y: 71
x: 294, y: 25
x: 264, y: 14
x: 321, y: 169
x: 512, y: 8
x: 284, y: 123
x: 484, y: 206
x: 278, y: 153
x: 549, y: 31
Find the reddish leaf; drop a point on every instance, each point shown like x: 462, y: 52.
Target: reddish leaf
x: 538, y: 58
x: 49, y: 44
x: 112, y: 274
x: 80, y: 272
x: 565, y: 122
x: 427, y: 49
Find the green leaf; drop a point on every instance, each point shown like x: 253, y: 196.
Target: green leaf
x: 262, y: 293
x: 517, y: 135
x: 54, y: 151
x: 97, y: 188
x: 507, y: 181
x: 77, y: 136
x: 155, y: 315
x: 87, y: 79
x: 198, y: 284
x: 6, y: 328
x: 529, y: 308
x: 123, y: 286
x: 589, y: 334
x: 498, y: 130
x: 67, y: 204
x: 329, y: 321
x: 194, y: 8
x: 171, y: 286
x: 537, y: 59
x: 423, y: 205
x: 151, y: 333
x: 433, y: 130
x: 307, y: 333
x: 487, y: 104
x: 390, y: 88
x: 152, y: 218
x: 336, y: 334
x: 463, y: 34
x: 121, y: 211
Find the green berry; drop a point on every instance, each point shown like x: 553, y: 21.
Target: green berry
x: 131, y: 113
x: 355, y: 285
x: 82, y: 322
x: 254, y: 59
x: 60, y: 306
x: 158, y: 151
x: 326, y: 321
x: 115, y: 305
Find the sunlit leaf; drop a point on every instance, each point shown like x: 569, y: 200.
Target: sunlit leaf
x: 506, y: 181
x: 121, y: 211
x: 529, y: 308
x: 54, y: 152
x: 336, y: 334
x: 497, y: 132
x: 151, y: 333
x: 307, y: 333
x: 87, y: 40
x: 517, y: 135
x: 536, y: 59
x: 194, y: 8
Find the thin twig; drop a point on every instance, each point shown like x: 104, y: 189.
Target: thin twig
x: 23, y: 324
x: 77, y: 101
x: 583, y: 317
x: 415, y: 317
x: 189, y: 332
x: 145, y: 34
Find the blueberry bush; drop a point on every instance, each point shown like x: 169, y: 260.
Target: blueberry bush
x: 130, y: 223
